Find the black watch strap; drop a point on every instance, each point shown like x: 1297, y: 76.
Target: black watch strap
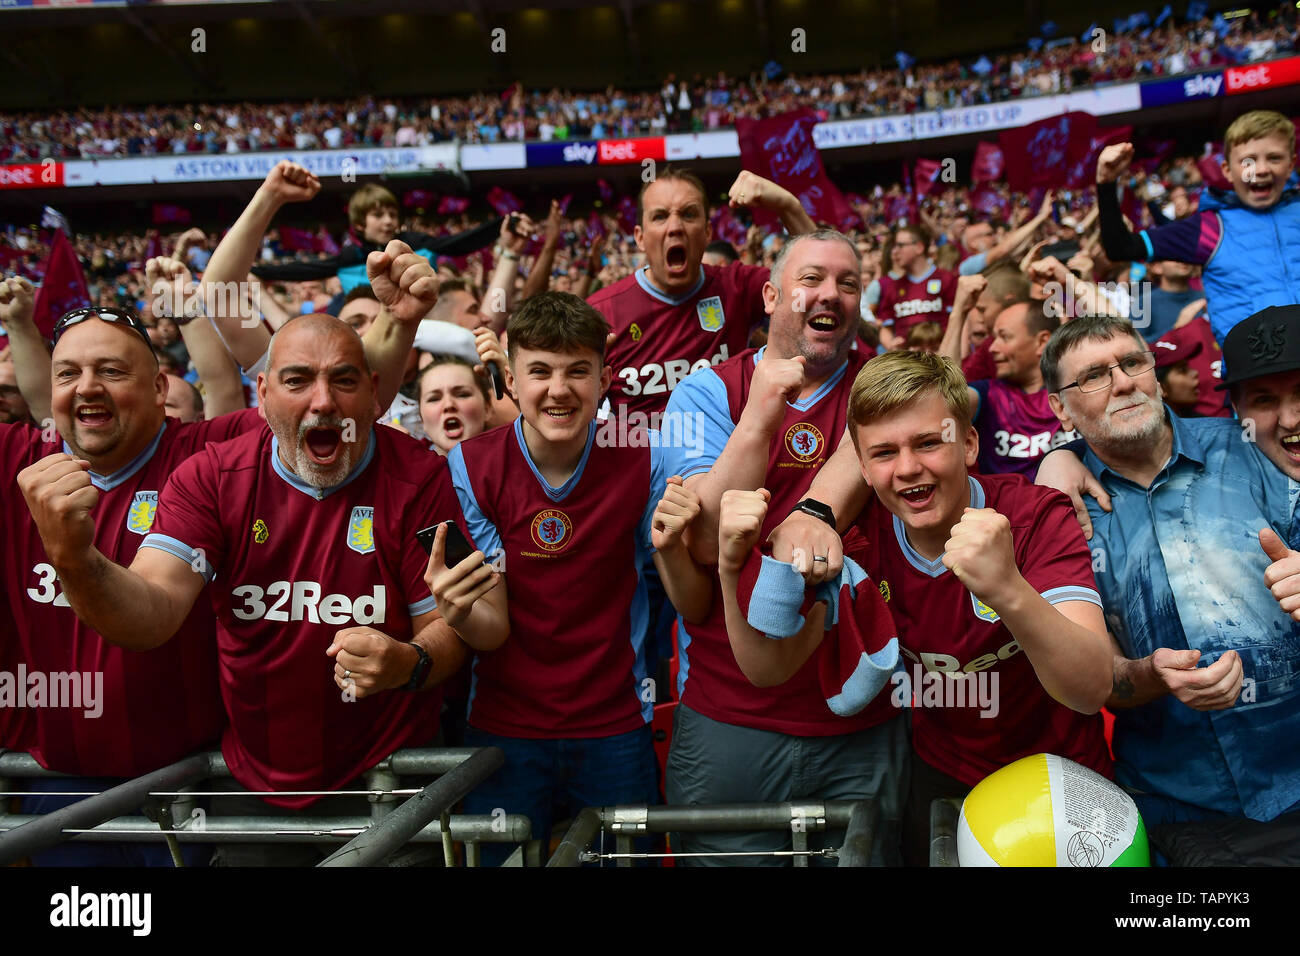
x: 818, y: 509
x: 421, y: 671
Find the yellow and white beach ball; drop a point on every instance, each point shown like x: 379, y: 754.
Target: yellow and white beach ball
x: 1046, y: 810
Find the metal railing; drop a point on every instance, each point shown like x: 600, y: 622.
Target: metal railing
x: 858, y: 818
x: 943, y: 831
x: 167, y: 797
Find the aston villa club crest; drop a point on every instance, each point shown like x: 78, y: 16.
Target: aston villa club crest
x: 552, y: 530
x: 983, y: 611
x: 710, y: 314
x: 804, y: 441
x: 361, y: 530
x: 143, y: 507
x: 933, y: 286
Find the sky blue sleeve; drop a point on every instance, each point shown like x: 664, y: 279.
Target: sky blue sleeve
x: 696, y: 424
x: 484, y: 532
x: 973, y: 264
x: 658, y: 482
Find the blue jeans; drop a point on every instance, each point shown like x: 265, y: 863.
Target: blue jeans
x: 547, y: 780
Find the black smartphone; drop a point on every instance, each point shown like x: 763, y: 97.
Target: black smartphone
x: 512, y: 225
x: 457, y: 547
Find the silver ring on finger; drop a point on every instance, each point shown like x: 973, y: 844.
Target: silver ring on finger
x: 821, y: 559
x: 347, y: 674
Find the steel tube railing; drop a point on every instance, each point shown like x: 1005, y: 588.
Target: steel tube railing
x: 372, y: 847
x: 43, y: 833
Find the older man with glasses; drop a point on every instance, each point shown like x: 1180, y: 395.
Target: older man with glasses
x: 1206, y: 686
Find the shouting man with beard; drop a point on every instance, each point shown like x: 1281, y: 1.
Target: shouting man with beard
x: 323, y: 618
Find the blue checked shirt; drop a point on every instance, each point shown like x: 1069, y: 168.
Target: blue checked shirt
x: 1179, y: 565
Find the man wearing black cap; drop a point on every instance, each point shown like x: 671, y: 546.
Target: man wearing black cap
x: 1189, y: 557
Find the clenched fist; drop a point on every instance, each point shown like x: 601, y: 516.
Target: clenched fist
x: 980, y: 552
x: 675, y: 511
x: 970, y: 288
x: 406, y: 284
x: 750, y: 189
x: 61, y: 498
x: 369, y: 661
x: 1113, y: 162
x: 170, y: 284
x: 289, y: 182
x: 17, y: 302
x: 739, y: 522
x: 776, y: 381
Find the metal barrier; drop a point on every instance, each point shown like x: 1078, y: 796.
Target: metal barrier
x: 168, y: 797
x: 859, y: 818
x: 943, y: 831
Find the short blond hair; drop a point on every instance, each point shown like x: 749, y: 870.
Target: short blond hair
x: 897, y: 379
x: 1258, y: 124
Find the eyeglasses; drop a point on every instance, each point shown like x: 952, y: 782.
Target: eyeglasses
x: 105, y: 314
x: 1099, y: 377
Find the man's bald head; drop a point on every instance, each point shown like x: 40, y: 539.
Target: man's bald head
x: 324, y: 328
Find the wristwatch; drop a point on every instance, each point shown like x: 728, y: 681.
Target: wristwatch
x: 811, y: 506
x: 421, y: 671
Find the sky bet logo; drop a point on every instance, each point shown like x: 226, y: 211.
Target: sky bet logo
x: 1206, y: 84
x: 580, y: 153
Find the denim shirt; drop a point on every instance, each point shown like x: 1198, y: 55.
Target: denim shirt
x: 1179, y: 565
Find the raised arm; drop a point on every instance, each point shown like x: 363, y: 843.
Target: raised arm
x: 753, y: 191
x: 969, y: 289
x: 1066, y: 643
x: 407, y: 288
x: 26, y: 345
x: 231, y: 262
x: 499, y: 299
x: 766, y: 661
x: 174, y: 294
x: 1121, y: 244
x: 743, y: 462
x: 687, y: 584
x: 539, y: 279
x: 1020, y: 235
x: 138, y: 608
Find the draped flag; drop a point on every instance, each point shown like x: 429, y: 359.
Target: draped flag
x: 781, y: 149
x: 926, y: 174
x: 1041, y: 153
x: 989, y: 163
x: 64, y: 287
x: 1083, y: 171
x: 503, y: 201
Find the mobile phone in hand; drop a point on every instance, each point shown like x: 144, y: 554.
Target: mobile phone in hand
x: 457, y: 547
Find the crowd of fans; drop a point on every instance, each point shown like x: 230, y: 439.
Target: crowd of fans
x: 1048, y: 332
x: 680, y: 105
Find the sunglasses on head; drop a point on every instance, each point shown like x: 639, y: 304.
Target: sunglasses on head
x: 104, y: 314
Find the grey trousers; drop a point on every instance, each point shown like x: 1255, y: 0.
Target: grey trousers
x: 712, y: 762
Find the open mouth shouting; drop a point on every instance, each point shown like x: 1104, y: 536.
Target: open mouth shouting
x: 93, y: 416
x: 676, y: 261
x: 824, y: 320
x: 323, y: 442
x: 1291, y: 445
x: 1260, y: 191
x: 453, y: 427
x: 918, y: 497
